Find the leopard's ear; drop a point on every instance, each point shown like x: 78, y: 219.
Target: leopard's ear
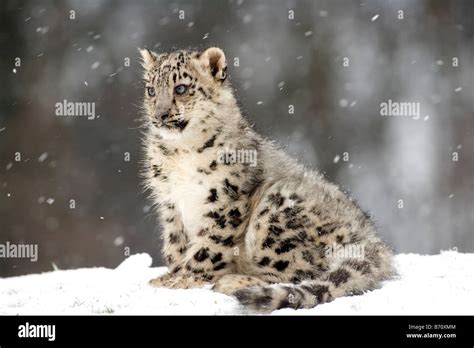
x: 149, y: 58
x: 213, y: 60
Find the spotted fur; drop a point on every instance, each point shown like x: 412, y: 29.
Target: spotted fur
x: 258, y: 232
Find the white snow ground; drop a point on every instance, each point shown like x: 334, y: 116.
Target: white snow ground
x: 438, y: 284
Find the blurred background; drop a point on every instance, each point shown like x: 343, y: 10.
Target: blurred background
x: 309, y: 74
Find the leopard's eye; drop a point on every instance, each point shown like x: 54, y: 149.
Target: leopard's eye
x: 151, y: 91
x: 180, y: 89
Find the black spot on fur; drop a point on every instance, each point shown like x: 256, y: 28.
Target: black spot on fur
x: 285, y: 246
x: 339, y: 276
x: 219, y: 266
x: 308, y: 257
x: 200, y: 89
x: 216, y: 238
x: 244, y: 296
x: 169, y: 259
x: 209, y: 143
x: 317, y: 290
x: 234, y: 213
x: 358, y: 265
x: 197, y: 270
x: 164, y: 150
x: 173, y: 238
x: 216, y: 258
x: 201, y: 255
x: 326, y: 229
x: 213, y: 165
x: 207, y: 277
x: 285, y: 303
x: 273, y: 219
x: 292, y: 212
x: 220, y: 220
x: 275, y: 230
x: 277, y: 199
x: 228, y: 242
x: 265, y: 261
x: 202, y: 170
x: 294, y: 224
x: 235, y: 219
x: 295, y: 197
x: 268, y: 243
x: 156, y: 171
x: 263, y: 212
x: 213, y: 196
x: 301, y: 275
x: 265, y: 299
x: 231, y: 190
x: 281, y: 265
x: 235, y: 222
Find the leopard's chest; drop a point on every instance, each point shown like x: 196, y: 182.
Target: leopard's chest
x: 185, y: 184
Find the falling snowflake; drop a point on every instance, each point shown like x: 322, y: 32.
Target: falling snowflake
x: 43, y: 157
x: 336, y: 159
x: 119, y: 241
x: 343, y: 103
x: 50, y: 201
x: 374, y: 18
x: 247, y: 18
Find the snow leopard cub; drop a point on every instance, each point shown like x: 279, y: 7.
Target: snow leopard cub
x: 244, y: 225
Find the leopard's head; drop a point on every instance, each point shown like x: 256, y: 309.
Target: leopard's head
x: 183, y: 90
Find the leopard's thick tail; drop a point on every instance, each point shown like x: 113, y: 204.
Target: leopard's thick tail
x: 345, y: 277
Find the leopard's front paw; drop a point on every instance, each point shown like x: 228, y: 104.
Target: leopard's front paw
x: 174, y: 281
x: 162, y: 281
